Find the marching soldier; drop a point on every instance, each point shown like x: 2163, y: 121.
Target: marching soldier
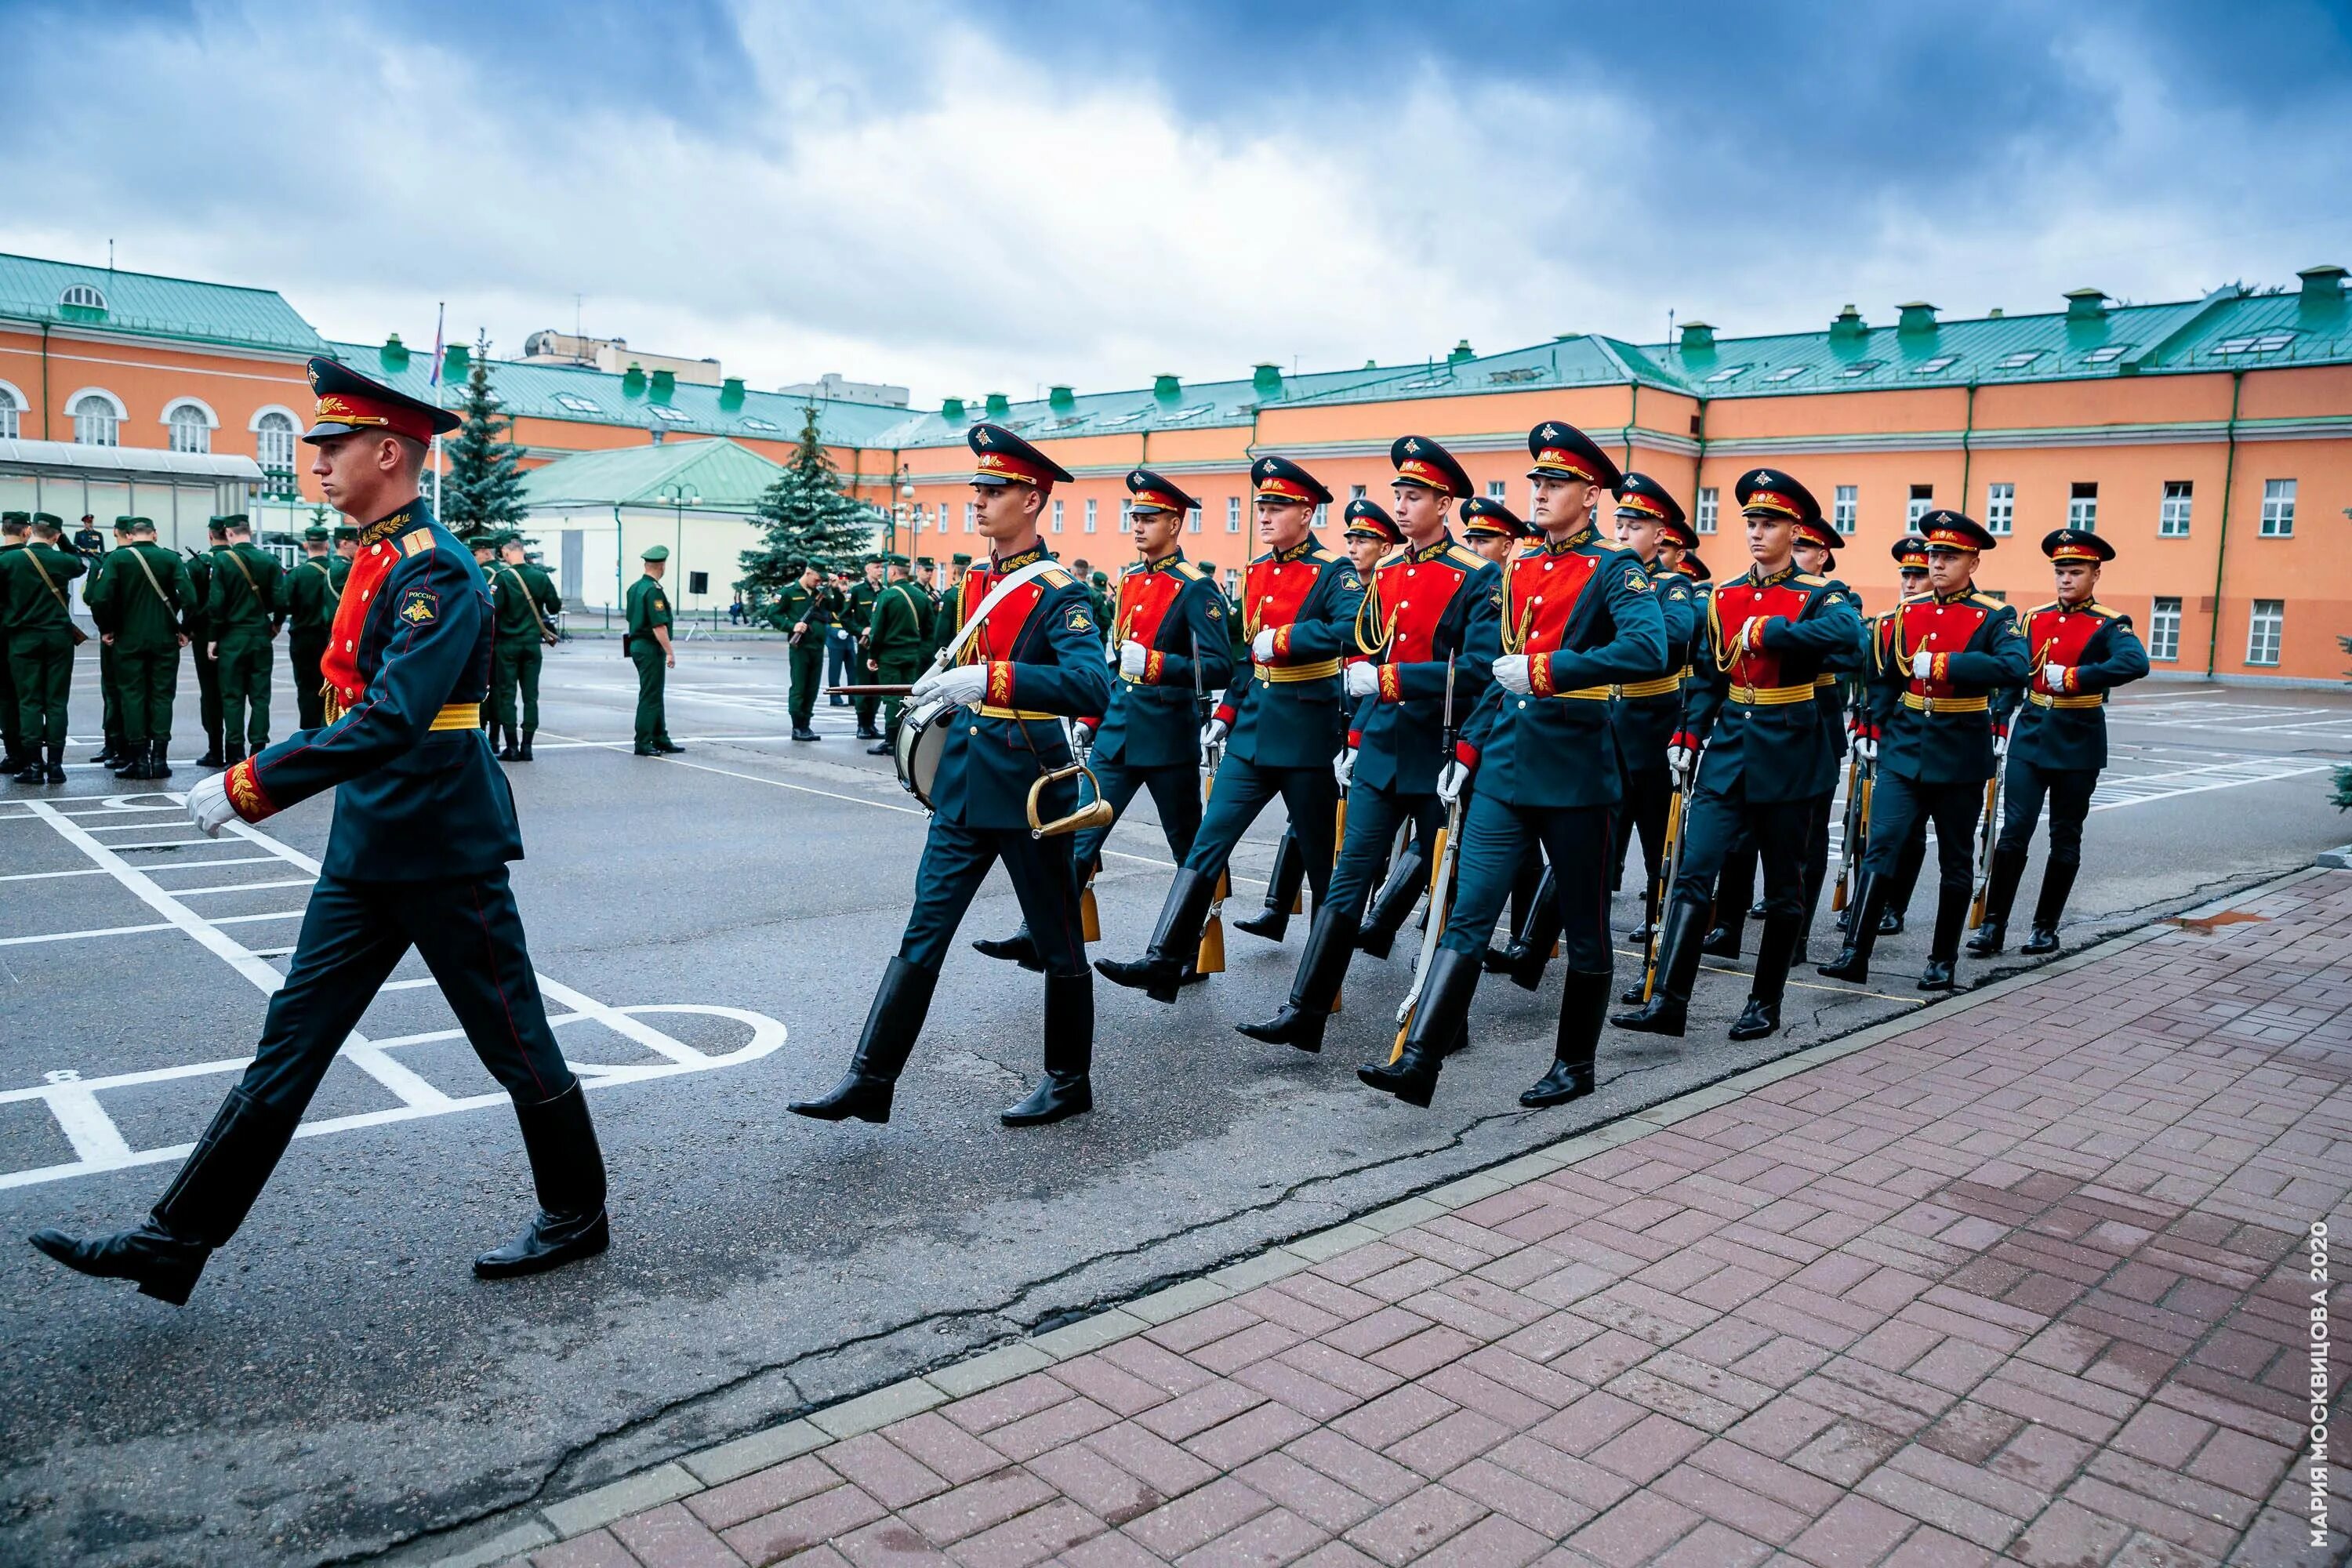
x: 645, y: 640
x: 1816, y: 553
x: 1424, y: 629
x: 1648, y: 713
x: 1910, y: 553
x: 418, y: 857
x: 200, y: 632
x: 1930, y: 731
x: 1531, y: 931
x: 1576, y: 615
x: 898, y: 642
x: 523, y: 605
x: 1492, y: 529
x: 1283, y: 713
x: 243, y: 615
x: 2081, y: 650
x: 13, y: 527
x: 1168, y: 614
x: 115, y: 753
x: 1371, y: 533
x: 311, y: 592
x: 141, y: 600
x: 800, y: 613
x: 859, y: 621
x: 1032, y: 658
x: 38, y: 620
x: 1769, y: 633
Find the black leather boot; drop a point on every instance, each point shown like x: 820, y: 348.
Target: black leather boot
x: 232, y: 754
x: 1289, y: 875
x: 900, y: 1004
x: 198, y: 1212
x: 512, y: 751
x: 522, y: 753
x: 212, y: 757
x: 109, y: 749
x: 159, y: 758
x: 1539, y: 936
x: 1668, y: 1008
x: 55, y: 772
x: 1175, y: 940
x: 2000, y: 894
x: 1439, y: 1019
x: 1852, y: 961
x: 1909, y: 863
x: 30, y: 772
x: 2057, y: 881
x: 1583, y: 1003
x: 1301, y: 1021
x: 1067, y: 1089
x: 1393, y: 902
x: 567, y: 1169
x: 1944, y: 948
x: 1775, y: 951
x: 1020, y: 948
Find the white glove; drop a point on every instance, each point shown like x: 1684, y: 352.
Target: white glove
x: 1363, y: 680
x: 1511, y: 673
x: 1082, y: 734
x: 2001, y: 742
x: 1922, y: 664
x: 1132, y: 657
x: 1343, y: 766
x: 966, y: 683
x: 2054, y: 676
x: 208, y: 805
x: 1451, y: 779
x: 1680, y: 760
x: 1262, y: 646
x: 1213, y: 732
x: 1865, y: 748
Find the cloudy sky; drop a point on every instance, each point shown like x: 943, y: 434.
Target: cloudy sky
x: 994, y: 197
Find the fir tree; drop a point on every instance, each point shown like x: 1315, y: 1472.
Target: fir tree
x: 483, y: 487
x: 803, y: 516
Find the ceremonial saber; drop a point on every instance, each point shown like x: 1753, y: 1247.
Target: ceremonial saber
x: 868, y: 690
x: 1669, y: 863
x: 1211, y: 957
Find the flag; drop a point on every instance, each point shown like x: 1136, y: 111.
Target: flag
x: 439, y: 321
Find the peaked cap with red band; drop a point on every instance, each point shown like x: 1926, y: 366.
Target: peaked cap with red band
x: 1562, y: 452
x: 349, y: 402
x: 1484, y: 514
x: 1000, y: 458
x: 1367, y: 516
x: 1910, y: 553
x: 2074, y: 544
x: 1279, y: 479
x: 1949, y: 530
x: 1814, y: 530
x: 1152, y: 492
x: 1421, y: 461
x: 1770, y: 490
x: 1693, y: 568
x: 1644, y: 497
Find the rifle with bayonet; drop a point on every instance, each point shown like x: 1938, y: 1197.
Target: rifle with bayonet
x: 1444, y: 854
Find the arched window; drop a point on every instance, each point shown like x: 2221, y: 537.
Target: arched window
x: 11, y: 415
x: 273, y: 441
x: 191, y: 431
x: 82, y: 297
x: 97, y: 423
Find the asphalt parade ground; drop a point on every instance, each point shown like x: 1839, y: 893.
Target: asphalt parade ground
x: 708, y: 928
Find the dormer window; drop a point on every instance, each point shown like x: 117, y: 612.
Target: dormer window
x: 82, y: 297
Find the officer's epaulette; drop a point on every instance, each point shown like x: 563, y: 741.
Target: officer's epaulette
x: 2104, y: 612
x: 416, y: 543
x: 1057, y: 578
x: 1808, y: 579
x: 1464, y: 556
x: 1985, y: 601
x: 1193, y: 571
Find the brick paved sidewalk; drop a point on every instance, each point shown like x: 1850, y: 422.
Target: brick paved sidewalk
x: 2021, y: 1280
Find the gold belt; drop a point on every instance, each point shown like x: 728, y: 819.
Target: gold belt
x: 1284, y: 674
x: 2044, y: 700
x: 1658, y: 687
x: 1918, y: 704
x: 1022, y: 715
x: 458, y: 716
x: 1590, y: 693
x: 1770, y: 696
x: 1822, y: 681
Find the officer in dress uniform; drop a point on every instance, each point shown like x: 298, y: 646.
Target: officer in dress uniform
x: 1573, y: 615
x: 423, y: 830
x: 2081, y: 650
x: 1035, y: 660
x: 798, y: 612
x: 524, y: 605
x: 1930, y: 730
x: 1769, y: 633
x: 36, y: 616
x: 311, y: 593
x: 1817, y: 547
x: 1492, y: 529
x: 1648, y: 713
x: 1169, y: 612
x: 13, y: 527
x: 645, y: 640
x: 858, y: 620
x: 1425, y: 627
x: 1372, y: 536
x: 140, y: 601
x: 1910, y: 553
x: 1283, y: 713
x: 243, y: 615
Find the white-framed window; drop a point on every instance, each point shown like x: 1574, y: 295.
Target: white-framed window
x: 12, y: 413
x: 1497, y: 488
x: 2163, y: 630
x: 970, y: 516
x: 84, y: 297
x: 1093, y: 505
x: 1127, y: 517
x: 1193, y: 519
x: 1233, y: 514
x: 191, y: 431
x: 2001, y: 507
x: 274, y: 435
x: 1923, y: 501
x: 2266, y: 631
x: 1321, y: 514
x: 1057, y: 514
x: 2278, y: 509
x: 1707, y: 509
x: 2082, y: 506
x: 578, y: 405
x: 1846, y: 510
x: 98, y: 420
x: 1355, y: 492
x: 2172, y: 516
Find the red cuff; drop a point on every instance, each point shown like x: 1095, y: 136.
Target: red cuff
x: 1539, y: 674
x: 2070, y: 680
x: 1092, y: 722
x: 246, y: 795
x: 1935, y: 669
x: 1152, y: 664
x: 1466, y: 754
x: 1390, y: 690
x: 1282, y: 643
x: 1685, y: 739
x: 2001, y: 729
x: 1223, y: 715
x: 999, y: 683
x: 1355, y: 739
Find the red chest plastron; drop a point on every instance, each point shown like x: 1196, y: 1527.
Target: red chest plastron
x: 338, y: 668
x: 1412, y: 598
x: 1745, y: 600
x: 1277, y: 591
x: 2060, y: 636
x: 1931, y: 626
x: 1544, y: 589
x: 999, y: 634
x: 1144, y: 599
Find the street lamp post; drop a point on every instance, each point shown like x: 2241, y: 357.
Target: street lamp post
x: 900, y: 506
x: 680, y: 495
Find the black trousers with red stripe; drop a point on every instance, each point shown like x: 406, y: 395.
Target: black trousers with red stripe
x: 355, y: 933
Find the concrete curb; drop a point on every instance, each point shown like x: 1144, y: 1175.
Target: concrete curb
x: 548, y: 1523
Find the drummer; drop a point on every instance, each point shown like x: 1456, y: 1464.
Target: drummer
x: 1026, y: 656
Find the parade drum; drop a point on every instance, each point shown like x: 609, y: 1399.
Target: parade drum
x: 922, y: 735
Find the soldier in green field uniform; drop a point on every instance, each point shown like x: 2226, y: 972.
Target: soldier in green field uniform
x: 36, y: 616
x: 898, y: 642
x: 647, y: 642
x: 1106, y: 603
x: 200, y: 632
x: 14, y: 526
x: 310, y: 593
x: 244, y: 615
x: 523, y: 608
x: 115, y: 753
x: 859, y: 617
x: 141, y: 599
x: 800, y: 613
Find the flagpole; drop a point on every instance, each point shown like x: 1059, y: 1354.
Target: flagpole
x: 440, y: 323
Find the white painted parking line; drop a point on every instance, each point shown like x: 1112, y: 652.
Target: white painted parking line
x: 241, y: 887
x: 81, y: 935
x: 41, y: 876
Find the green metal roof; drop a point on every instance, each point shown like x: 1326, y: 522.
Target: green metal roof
x: 723, y: 477
x: 32, y: 289
x: 1571, y: 360
x: 582, y: 395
